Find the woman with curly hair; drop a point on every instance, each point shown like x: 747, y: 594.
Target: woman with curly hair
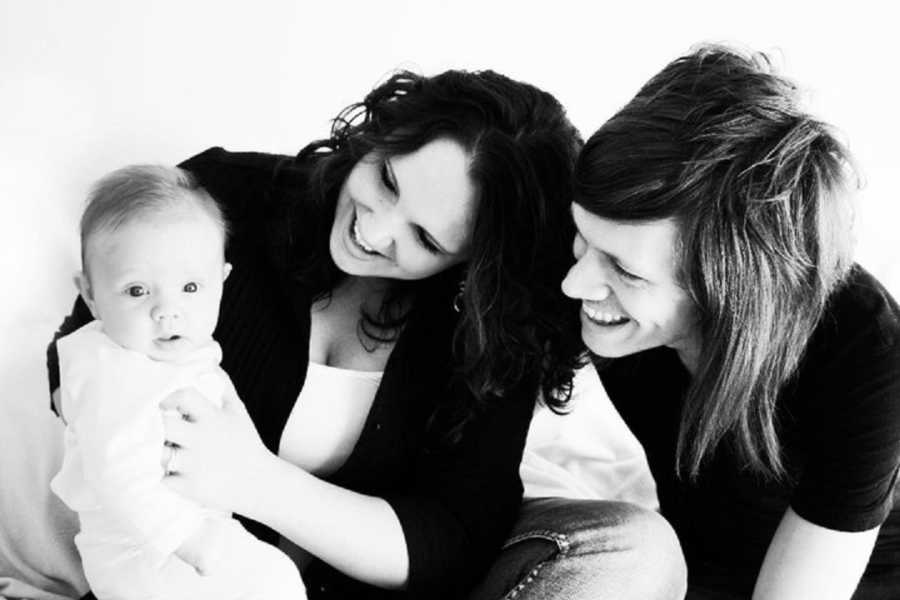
x: 392, y: 315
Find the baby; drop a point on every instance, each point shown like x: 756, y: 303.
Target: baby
x: 152, y: 246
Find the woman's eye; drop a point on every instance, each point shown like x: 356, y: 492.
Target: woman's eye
x: 386, y: 178
x: 627, y: 275
x: 426, y: 241
x: 136, y: 291
x: 191, y: 287
x: 578, y: 246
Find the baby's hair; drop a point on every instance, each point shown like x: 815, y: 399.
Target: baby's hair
x: 135, y: 191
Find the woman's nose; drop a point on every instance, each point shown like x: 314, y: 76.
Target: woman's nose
x: 586, y: 281
x: 381, y: 228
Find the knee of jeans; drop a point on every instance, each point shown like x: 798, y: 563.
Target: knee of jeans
x: 654, y: 549
x: 638, y: 544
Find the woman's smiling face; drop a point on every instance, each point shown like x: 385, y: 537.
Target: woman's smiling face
x: 407, y: 216
x: 626, y: 276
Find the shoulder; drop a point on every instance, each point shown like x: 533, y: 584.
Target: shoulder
x: 86, y: 343
x: 852, y: 359
x: 90, y: 359
x: 216, y: 163
x: 250, y: 185
x: 846, y: 402
x: 860, y: 322
x: 265, y: 201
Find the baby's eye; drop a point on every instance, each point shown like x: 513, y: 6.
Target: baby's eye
x: 136, y: 291
x: 191, y: 287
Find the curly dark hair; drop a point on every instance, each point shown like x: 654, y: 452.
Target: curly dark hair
x: 515, y: 322
x: 718, y: 141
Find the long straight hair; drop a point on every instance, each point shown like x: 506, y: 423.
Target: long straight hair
x: 718, y: 142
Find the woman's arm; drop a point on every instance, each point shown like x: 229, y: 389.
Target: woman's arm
x: 79, y: 316
x: 805, y: 560
x: 432, y: 536
x: 852, y: 427
x: 357, y: 534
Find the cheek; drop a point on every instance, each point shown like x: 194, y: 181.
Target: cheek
x: 205, y: 310
x: 420, y: 264
x: 679, y: 315
x: 687, y: 315
x: 647, y: 306
x: 341, y: 214
x: 125, y: 327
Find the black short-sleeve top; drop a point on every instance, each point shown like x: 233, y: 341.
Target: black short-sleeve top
x: 839, y: 421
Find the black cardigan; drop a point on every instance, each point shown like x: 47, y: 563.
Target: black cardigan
x: 455, y: 502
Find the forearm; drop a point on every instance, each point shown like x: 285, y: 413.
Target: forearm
x: 805, y: 560
x: 359, y: 535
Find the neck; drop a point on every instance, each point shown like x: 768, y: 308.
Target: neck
x: 364, y: 286
x: 689, y: 353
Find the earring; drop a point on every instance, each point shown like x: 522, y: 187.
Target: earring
x: 458, y: 298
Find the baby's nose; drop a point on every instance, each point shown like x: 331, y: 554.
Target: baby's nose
x: 165, y: 312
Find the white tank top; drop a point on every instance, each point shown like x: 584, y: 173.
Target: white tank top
x: 328, y: 417
x: 325, y: 425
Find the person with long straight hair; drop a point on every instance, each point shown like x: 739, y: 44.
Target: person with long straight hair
x: 756, y: 363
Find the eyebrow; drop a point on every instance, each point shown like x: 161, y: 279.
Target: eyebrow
x: 393, y: 177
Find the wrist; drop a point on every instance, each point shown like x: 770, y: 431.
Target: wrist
x: 257, y: 484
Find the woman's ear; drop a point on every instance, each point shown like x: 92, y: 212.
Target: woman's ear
x: 226, y: 271
x: 84, y: 288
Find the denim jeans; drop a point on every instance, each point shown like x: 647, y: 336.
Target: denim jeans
x: 564, y: 549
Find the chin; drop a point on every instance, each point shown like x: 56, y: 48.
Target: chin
x: 339, y: 254
x: 601, y: 347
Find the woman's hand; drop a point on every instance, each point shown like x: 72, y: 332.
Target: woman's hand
x: 218, y: 451
x: 222, y: 463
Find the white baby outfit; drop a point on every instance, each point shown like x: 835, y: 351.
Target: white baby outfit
x: 131, y: 522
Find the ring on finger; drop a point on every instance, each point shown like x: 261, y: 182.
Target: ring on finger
x: 170, y: 461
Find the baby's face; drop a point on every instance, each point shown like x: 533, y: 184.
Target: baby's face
x: 156, y: 282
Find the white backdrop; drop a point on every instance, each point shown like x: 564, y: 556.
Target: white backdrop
x: 88, y: 86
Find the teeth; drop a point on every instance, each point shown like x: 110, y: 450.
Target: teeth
x: 357, y: 237
x: 603, y: 317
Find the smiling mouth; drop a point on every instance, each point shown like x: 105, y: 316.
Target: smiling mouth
x: 356, y: 238
x: 604, y: 319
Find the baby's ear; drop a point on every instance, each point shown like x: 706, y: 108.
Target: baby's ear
x: 84, y: 288
x: 226, y: 271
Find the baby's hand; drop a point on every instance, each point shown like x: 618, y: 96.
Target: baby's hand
x: 204, y: 548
